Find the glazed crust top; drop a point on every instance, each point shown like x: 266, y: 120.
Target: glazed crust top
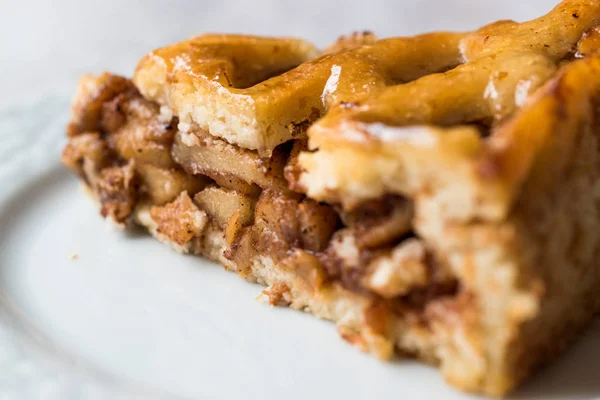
x: 434, y: 102
x: 252, y: 91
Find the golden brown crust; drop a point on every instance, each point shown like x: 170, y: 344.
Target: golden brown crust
x: 352, y: 41
x: 589, y: 42
x: 504, y: 64
x: 260, y: 111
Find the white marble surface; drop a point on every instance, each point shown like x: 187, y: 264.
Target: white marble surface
x: 46, y: 44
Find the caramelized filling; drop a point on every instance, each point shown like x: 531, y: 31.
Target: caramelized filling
x: 128, y: 152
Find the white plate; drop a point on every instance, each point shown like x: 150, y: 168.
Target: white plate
x: 128, y: 318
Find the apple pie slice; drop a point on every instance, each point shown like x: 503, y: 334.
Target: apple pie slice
x: 436, y: 196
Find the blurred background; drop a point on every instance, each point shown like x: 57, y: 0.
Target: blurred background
x: 46, y: 44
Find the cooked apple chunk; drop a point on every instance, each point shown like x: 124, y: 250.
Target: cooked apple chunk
x: 163, y: 185
x: 297, y: 223
x: 200, y: 153
x: 222, y: 204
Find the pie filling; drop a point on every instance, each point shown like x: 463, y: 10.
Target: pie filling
x: 136, y: 161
